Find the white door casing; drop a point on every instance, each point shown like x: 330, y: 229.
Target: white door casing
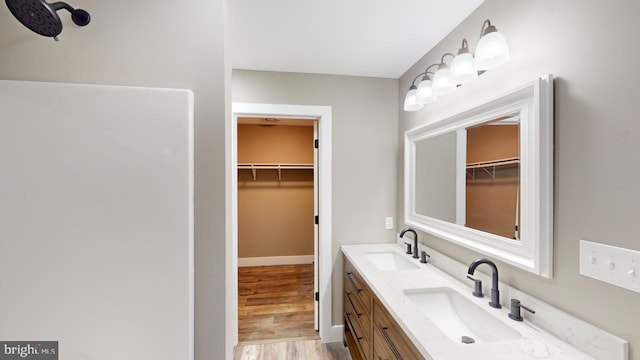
x: 322, y: 114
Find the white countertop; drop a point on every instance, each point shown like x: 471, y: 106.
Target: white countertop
x: 388, y: 286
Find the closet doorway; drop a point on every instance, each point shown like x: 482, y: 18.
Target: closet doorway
x: 321, y: 115
x: 277, y: 230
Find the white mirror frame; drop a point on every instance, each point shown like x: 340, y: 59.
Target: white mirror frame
x: 533, y: 103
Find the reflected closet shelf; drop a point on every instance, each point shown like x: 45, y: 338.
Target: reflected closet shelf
x: 491, y: 164
x: 255, y: 167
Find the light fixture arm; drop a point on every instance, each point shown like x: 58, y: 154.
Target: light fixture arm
x: 465, y: 47
x: 413, y: 83
x: 429, y: 67
x: 426, y: 71
x: 442, y: 58
x: 490, y: 28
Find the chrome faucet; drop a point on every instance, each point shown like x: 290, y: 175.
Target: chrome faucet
x: 415, y: 241
x: 495, y: 293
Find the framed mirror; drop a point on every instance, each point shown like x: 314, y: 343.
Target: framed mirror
x: 483, y: 178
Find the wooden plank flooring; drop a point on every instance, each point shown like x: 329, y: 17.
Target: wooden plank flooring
x: 292, y: 350
x: 275, y: 302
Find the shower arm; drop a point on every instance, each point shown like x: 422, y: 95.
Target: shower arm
x: 61, y: 5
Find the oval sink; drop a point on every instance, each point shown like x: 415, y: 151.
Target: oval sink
x: 459, y: 318
x: 390, y: 261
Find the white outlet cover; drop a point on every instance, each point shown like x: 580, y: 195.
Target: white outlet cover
x: 611, y: 264
x: 389, y: 223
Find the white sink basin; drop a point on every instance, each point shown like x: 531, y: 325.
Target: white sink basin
x: 390, y: 261
x: 456, y: 316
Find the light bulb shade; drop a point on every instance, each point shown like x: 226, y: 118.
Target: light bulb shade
x: 492, y: 51
x: 410, y: 101
x: 463, y: 69
x: 442, y: 82
x: 425, y: 93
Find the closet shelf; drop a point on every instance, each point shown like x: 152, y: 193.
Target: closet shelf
x: 490, y: 164
x: 279, y: 167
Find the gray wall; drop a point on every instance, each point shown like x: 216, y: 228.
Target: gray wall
x: 157, y: 44
x: 364, y: 144
x: 587, y: 46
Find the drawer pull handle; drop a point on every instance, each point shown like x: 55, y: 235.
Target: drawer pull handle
x: 353, y: 305
x: 353, y: 282
x: 358, y: 338
x: 387, y: 339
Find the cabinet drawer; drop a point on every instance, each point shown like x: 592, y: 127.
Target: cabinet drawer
x: 381, y: 350
x: 353, y: 282
x: 350, y: 339
x: 358, y: 315
x: 360, y: 335
x: 392, y: 336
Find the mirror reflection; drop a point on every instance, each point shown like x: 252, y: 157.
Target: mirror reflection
x: 436, y: 177
x: 493, y: 178
x: 488, y: 198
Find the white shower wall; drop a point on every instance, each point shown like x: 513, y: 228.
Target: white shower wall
x: 96, y: 219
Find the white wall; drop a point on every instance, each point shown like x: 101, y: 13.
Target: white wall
x: 155, y: 44
x: 364, y: 121
x: 587, y: 46
x: 96, y: 219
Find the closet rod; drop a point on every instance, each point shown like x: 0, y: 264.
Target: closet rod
x: 279, y: 167
x: 499, y: 162
x: 487, y: 164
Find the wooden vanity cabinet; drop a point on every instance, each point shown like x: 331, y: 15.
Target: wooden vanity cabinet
x: 370, y: 331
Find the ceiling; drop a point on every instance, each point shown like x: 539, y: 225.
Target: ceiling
x: 376, y: 38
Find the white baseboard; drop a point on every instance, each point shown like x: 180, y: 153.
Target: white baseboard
x: 335, y: 335
x: 275, y: 260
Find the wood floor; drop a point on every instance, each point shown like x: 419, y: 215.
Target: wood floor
x: 292, y: 350
x: 275, y: 302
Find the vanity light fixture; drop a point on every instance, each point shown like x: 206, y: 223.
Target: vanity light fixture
x: 442, y: 81
x: 463, y: 67
x: 425, y: 93
x: 492, y: 52
x: 410, y: 101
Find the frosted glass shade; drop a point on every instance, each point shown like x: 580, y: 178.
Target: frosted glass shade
x: 410, y: 101
x: 442, y: 82
x: 463, y: 69
x: 425, y: 93
x: 492, y: 51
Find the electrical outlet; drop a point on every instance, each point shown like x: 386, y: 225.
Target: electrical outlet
x: 613, y: 265
x: 389, y: 223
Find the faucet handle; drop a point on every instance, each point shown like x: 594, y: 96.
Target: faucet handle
x: 424, y: 256
x: 477, y: 289
x: 408, y: 248
x: 514, y: 314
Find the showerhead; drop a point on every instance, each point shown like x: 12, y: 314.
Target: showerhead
x: 42, y: 18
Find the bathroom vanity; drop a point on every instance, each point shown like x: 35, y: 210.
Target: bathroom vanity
x: 398, y: 308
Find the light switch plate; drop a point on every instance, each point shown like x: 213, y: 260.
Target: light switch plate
x: 613, y: 265
x: 389, y: 223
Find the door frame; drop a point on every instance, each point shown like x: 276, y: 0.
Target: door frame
x: 323, y: 115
